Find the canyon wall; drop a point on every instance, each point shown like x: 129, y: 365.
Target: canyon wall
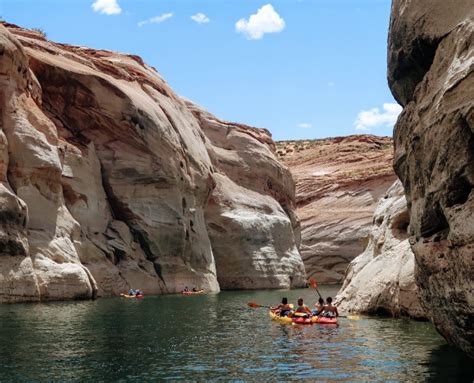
x: 381, y: 280
x: 431, y: 73
x: 339, y: 182
x: 109, y: 180
x: 250, y: 215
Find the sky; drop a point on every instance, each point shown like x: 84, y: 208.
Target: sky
x: 303, y: 69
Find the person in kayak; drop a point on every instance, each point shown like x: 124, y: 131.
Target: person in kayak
x: 319, y: 307
x: 194, y: 289
x: 131, y: 292
x: 329, y: 310
x: 185, y: 289
x: 283, y: 309
x: 302, y: 309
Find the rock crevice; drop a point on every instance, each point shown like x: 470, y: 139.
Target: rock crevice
x: 381, y: 279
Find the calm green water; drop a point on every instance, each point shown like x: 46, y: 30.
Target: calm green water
x: 213, y: 337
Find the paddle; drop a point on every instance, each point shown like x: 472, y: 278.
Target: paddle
x: 314, y: 285
x: 256, y: 305
x: 352, y: 317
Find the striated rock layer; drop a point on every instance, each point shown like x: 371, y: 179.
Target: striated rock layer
x: 339, y: 182
x: 381, y: 280
x: 431, y: 73
x: 109, y: 180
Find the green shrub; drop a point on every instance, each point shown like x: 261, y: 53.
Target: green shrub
x: 40, y: 31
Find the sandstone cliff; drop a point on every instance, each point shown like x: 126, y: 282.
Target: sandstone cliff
x: 339, y: 182
x: 381, y: 280
x: 109, y: 180
x: 431, y: 73
x: 250, y: 215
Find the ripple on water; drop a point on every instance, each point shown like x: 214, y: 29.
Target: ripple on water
x: 215, y: 338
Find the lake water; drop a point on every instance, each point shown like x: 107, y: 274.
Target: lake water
x: 214, y: 337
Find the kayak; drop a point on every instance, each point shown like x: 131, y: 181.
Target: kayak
x: 132, y: 296
x: 302, y: 320
x: 192, y: 292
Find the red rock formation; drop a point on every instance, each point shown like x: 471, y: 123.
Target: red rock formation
x: 106, y: 178
x: 338, y: 184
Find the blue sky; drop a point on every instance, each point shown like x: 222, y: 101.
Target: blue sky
x: 300, y: 68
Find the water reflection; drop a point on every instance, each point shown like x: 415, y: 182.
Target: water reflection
x: 447, y: 364
x: 211, y: 338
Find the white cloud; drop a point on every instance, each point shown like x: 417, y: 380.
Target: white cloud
x: 266, y: 20
x: 109, y: 7
x: 200, y: 18
x: 304, y: 125
x: 367, y: 119
x: 156, y: 19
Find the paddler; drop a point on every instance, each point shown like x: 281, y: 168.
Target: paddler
x: 302, y: 308
x: 283, y: 309
x: 329, y: 310
x: 319, y: 307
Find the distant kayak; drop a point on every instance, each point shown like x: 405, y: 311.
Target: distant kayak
x: 192, y: 292
x: 139, y: 296
x: 302, y: 320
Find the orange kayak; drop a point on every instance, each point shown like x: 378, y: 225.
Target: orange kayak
x: 192, y: 292
x: 139, y: 296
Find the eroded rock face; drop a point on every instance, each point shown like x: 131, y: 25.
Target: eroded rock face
x: 338, y: 184
x: 40, y: 228
x: 381, y: 280
x: 431, y: 72
x: 250, y: 214
x: 106, y: 178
